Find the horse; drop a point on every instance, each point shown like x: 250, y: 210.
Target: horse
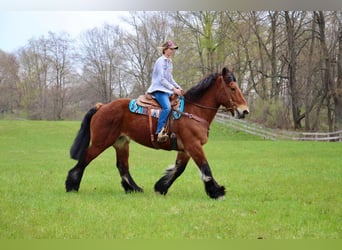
x: 112, y: 124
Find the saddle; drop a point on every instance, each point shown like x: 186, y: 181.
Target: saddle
x: 149, y: 101
x: 148, y: 105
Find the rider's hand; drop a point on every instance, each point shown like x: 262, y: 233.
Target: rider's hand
x: 178, y: 92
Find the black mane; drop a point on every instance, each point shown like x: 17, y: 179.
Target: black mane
x: 195, y: 92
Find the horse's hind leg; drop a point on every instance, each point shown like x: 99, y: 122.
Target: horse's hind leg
x: 75, y: 174
x: 172, y: 173
x: 122, y: 152
x: 73, y: 180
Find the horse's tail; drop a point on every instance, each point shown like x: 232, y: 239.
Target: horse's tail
x: 81, y: 142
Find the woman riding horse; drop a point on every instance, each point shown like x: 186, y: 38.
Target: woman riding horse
x: 114, y: 125
x: 163, y: 86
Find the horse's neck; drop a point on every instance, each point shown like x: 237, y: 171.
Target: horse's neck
x: 206, y: 107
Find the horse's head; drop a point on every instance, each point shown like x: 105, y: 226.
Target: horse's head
x: 231, y: 95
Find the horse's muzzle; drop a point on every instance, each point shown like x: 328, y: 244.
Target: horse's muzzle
x: 241, y: 112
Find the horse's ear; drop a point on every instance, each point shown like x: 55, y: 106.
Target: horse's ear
x: 225, y: 71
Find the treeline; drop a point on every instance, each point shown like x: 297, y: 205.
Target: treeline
x: 288, y: 63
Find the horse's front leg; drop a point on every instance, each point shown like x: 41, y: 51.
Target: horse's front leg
x: 172, y: 173
x: 212, y: 188
x: 122, y: 152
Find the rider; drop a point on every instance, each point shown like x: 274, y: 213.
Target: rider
x: 163, y: 86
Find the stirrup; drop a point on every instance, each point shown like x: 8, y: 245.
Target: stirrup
x: 162, y: 136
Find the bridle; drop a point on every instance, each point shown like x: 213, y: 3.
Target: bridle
x: 204, y: 122
x: 230, y: 102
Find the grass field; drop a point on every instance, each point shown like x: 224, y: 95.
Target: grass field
x: 275, y: 189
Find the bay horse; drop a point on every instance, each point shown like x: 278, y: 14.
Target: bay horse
x: 114, y: 125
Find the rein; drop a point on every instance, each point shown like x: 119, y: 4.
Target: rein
x: 194, y: 117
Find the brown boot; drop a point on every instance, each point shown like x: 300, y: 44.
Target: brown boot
x: 162, y: 136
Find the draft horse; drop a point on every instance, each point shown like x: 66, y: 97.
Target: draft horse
x: 114, y: 125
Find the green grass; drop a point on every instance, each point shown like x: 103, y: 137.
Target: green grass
x: 275, y: 189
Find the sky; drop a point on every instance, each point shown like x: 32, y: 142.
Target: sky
x: 18, y: 27
x: 21, y: 20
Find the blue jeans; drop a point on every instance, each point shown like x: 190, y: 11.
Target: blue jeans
x: 164, y: 102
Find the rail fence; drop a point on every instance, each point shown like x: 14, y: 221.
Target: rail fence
x: 275, y: 134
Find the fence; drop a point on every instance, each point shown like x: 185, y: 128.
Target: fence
x: 274, y: 134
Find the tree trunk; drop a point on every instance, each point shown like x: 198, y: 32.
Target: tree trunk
x: 292, y: 66
x: 308, y: 105
x: 338, y: 93
x: 326, y: 68
x: 275, y: 86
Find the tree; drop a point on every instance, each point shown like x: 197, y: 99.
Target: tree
x: 291, y: 18
x: 338, y: 93
x: 207, y: 36
x: 101, y: 59
x: 328, y: 62
x: 33, y: 73
x: 59, y: 57
x: 149, y: 31
x: 9, y: 96
x: 45, y: 68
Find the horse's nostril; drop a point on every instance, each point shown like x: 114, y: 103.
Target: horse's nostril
x: 245, y: 112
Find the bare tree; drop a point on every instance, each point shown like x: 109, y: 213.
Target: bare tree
x: 9, y: 96
x: 208, y: 35
x: 33, y: 73
x: 338, y: 93
x: 148, y: 31
x: 310, y: 97
x: 292, y: 33
x: 329, y: 54
x: 44, y: 70
x: 59, y: 54
x: 100, y: 56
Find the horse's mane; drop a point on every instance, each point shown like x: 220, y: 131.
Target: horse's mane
x: 195, y: 92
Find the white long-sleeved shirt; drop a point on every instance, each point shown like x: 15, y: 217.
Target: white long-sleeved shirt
x: 162, y: 79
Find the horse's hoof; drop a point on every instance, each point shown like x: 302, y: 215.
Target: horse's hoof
x: 221, y: 198
x: 160, y: 193
x: 69, y: 190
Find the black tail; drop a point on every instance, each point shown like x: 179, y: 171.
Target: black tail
x: 81, y: 142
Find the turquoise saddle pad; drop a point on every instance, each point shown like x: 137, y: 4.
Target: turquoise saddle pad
x: 135, y: 108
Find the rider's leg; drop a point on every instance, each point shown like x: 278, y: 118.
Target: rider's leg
x: 164, y: 102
